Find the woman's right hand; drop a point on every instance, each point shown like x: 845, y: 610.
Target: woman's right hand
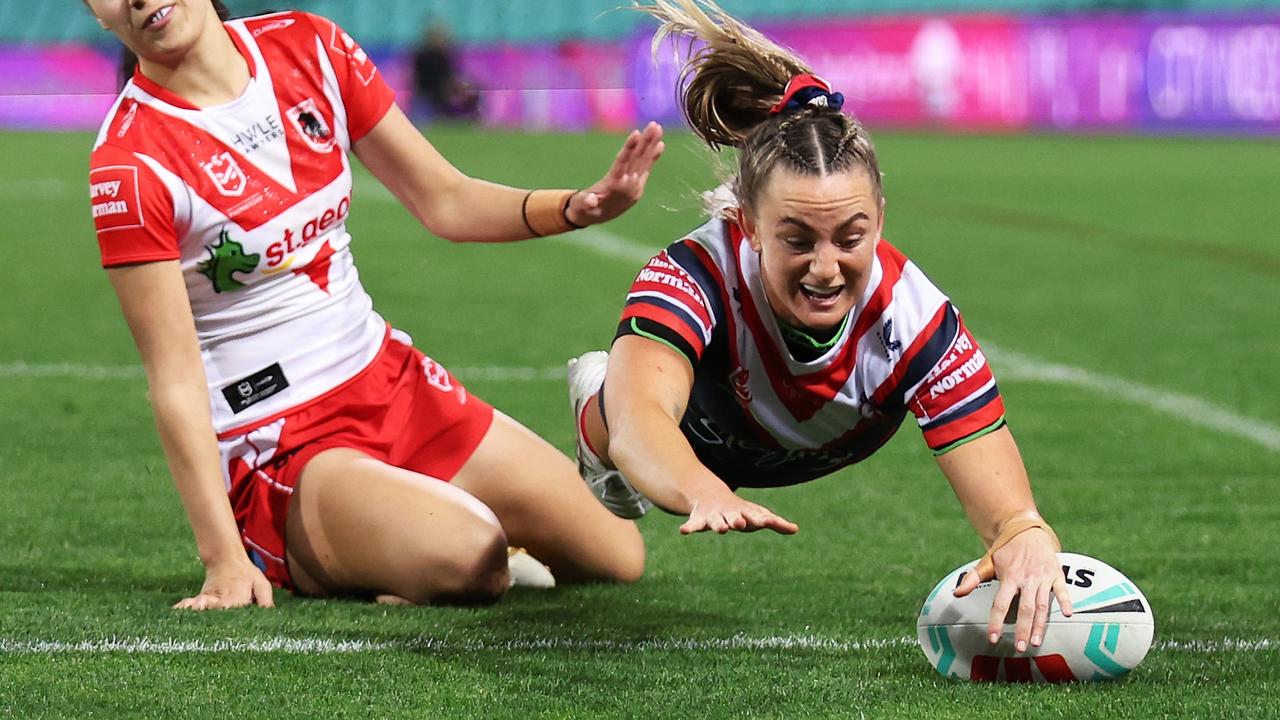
x: 724, y: 511
x: 231, y: 585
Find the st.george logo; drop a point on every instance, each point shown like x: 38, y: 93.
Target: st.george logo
x: 310, y: 123
x: 226, y: 174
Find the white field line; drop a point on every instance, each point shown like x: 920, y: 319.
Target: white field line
x: 1010, y: 365
x: 76, y: 371
x: 603, y: 242
x: 1016, y: 366
x: 325, y: 646
x: 38, y: 189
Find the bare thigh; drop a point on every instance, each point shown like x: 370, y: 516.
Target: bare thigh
x: 546, y: 508
x: 358, y: 526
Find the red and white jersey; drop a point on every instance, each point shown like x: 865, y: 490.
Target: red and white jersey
x: 757, y: 416
x: 252, y: 198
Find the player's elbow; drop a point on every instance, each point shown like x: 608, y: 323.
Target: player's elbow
x: 445, y: 213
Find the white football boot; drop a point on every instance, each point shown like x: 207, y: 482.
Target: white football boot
x: 586, y: 375
x: 526, y: 571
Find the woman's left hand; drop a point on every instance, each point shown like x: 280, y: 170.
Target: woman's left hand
x: 623, y: 185
x: 1027, y: 567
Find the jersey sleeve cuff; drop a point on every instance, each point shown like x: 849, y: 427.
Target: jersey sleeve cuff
x: 970, y: 438
x: 121, y: 260
x: 646, y: 328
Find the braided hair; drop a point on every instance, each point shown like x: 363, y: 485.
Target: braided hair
x: 735, y: 83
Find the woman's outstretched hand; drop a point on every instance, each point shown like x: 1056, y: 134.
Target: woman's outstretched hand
x: 623, y: 185
x: 1028, y: 569
x: 725, y: 512
x: 231, y: 585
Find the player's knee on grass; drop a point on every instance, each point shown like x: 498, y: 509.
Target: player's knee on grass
x: 627, y: 563
x: 474, y: 572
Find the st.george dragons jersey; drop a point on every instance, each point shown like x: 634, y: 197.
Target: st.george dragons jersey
x: 757, y: 416
x: 252, y: 197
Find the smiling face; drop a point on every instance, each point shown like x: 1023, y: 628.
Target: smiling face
x: 817, y: 237
x: 156, y: 30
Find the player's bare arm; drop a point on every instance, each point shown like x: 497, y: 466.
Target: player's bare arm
x: 153, y: 298
x: 448, y: 202
x: 646, y: 391
x: 991, y: 482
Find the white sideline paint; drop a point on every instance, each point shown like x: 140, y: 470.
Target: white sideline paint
x: 70, y: 370
x: 603, y: 242
x: 1016, y: 366
x: 128, y: 372
x: 37, y: 189
x: 324, y: 646
x: 1011, y: 366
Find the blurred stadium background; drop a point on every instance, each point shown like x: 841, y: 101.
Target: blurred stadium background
x: 1093, y: 182
x: 1116, y: 65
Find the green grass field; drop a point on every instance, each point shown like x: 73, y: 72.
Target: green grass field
x: 1129, y: 290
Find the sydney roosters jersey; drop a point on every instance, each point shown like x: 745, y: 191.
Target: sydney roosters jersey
x: 757, y: 416
x: 251, y: 197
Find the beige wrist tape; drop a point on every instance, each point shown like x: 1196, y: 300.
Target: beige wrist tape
x: 986, y: 566
x: 545, y: 212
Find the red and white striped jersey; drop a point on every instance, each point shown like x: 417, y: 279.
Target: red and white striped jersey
x: 252, y: 197
x: 757, y: 416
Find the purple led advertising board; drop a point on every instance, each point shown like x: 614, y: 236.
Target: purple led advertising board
x: 1121, y: 73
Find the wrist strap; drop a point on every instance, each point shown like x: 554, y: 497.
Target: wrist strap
x: 986, y: 566
x: 546, y: 212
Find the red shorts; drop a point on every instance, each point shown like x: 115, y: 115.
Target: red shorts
x: 405, y: 409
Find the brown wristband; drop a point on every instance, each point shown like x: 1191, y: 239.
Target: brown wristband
x: 986, y: 566
x: 546, y: 212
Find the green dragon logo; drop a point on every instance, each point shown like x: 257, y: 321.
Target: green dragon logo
x: 227, y: 257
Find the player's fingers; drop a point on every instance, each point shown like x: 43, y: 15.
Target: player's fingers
x: 1041, y: 620
x: 782, y: 525
x: 1064, y: 596
x: 718, y: 523
x: 1026, y: 614
x: 999, y: 609
x: 968, y: 584
x: 625, y: 154
x: 649, y: 150
x: 262, y: 595
x: 693, y: 525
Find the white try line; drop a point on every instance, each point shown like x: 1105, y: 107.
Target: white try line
x: 497, y: 373
x: 38, y: 189
x: 1010, y: 366
x: 1192, y: 410
x: 327, y: 646
x: 1016, y: 366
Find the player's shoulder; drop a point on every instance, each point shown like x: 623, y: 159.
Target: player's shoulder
x: 283, y: 25
x: 710, y: 244
x: 901, y: 272
x: 132, y: 129
x: 118, y: 123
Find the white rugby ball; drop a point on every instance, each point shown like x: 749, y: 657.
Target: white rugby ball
x: 1108, y: 634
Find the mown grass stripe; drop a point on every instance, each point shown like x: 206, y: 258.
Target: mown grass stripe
x: 324, y: 646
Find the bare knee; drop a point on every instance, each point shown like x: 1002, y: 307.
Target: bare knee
x: 628, y: 561
x: 474, y: 573
x: 623, y: 562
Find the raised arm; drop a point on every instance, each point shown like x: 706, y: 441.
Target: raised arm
x: 646, y: 391
x: 464, y: 209
x: 154, y: 301
x: 991, y: 482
